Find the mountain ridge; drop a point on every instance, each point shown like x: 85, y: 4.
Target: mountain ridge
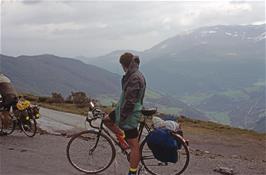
x: 212, y: 60
x: 44, y: 74
x: 201, y: 73
x: 40, y: 68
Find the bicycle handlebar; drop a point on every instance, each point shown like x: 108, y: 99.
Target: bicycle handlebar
x: 94, y: 114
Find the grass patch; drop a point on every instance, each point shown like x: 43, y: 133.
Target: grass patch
x: 219, y: 117
x: 254, y: 88
x: 198, y: 126
x: 107, y: 100
x: 169, y: 110
x: 152, y: 94
x: 236, y: 94
x: 71, y: 108
x: 260, y: 82
x: 195, y: 99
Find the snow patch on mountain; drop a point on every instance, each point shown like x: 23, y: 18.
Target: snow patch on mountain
x: 261, y: 37
x: 163, y: 46
x: 229, y: 34
x: 208, y: 32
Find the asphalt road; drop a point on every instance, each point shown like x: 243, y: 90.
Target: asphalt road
x: 55, y: 122
x: 45, y: 154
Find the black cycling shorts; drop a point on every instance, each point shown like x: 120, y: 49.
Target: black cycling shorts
x: 130, y: 133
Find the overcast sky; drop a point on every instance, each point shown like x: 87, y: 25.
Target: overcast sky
x: 92, y: 28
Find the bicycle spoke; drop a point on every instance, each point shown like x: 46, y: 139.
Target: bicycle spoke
x: 156, y: 167
x: 29, y: 127
x: 85, y: 152
x: 148, y: 157
x: 10, y: 125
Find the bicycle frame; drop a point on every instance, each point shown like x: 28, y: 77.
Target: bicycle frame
x: 101, y: 129
x: 17, y: 121
x: 100, y: 135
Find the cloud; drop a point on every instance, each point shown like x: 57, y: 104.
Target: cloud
x: 90, y: 28
x: 31, y: 2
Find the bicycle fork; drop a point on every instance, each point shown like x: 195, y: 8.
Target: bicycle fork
x: 98, y: 138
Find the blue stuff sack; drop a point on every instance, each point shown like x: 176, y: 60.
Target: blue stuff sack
x: 163, y: 145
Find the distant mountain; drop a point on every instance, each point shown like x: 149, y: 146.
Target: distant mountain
x: 198, y: 66
x: 110, y: 61
x: 212, y: 73
x: 209, y: 59
x: 206, y: 59
x: 213, y: 43
x: 259, y: 125
x: 244, y: 108
x: 44, y: 74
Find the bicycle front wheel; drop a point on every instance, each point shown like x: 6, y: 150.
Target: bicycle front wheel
x: 29, y: 127
x: 156, y: 167
x: 90, y: 151
x: 9, y: 126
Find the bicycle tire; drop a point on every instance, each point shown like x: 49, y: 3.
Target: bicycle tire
x: 11, y: 126
x: 155, y: 167
x: 29, y: 127
x: 104, y: 147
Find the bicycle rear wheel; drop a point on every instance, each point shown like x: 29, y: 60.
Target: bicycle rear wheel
x: 90, y: 151
x: 156, y: 167
x: 29, y: 127
x: 10, y: 125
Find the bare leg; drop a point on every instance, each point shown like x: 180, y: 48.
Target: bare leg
x: 5, y: 118
x: 112, y: 126
x: 135, y: 152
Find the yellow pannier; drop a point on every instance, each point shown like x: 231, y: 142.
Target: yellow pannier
x: 22, y: 105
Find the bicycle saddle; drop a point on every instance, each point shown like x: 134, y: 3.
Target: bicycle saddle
x: 149, y: 111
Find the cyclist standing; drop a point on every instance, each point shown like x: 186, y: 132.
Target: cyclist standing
x: 9, y: 98
x: 123, y: 121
